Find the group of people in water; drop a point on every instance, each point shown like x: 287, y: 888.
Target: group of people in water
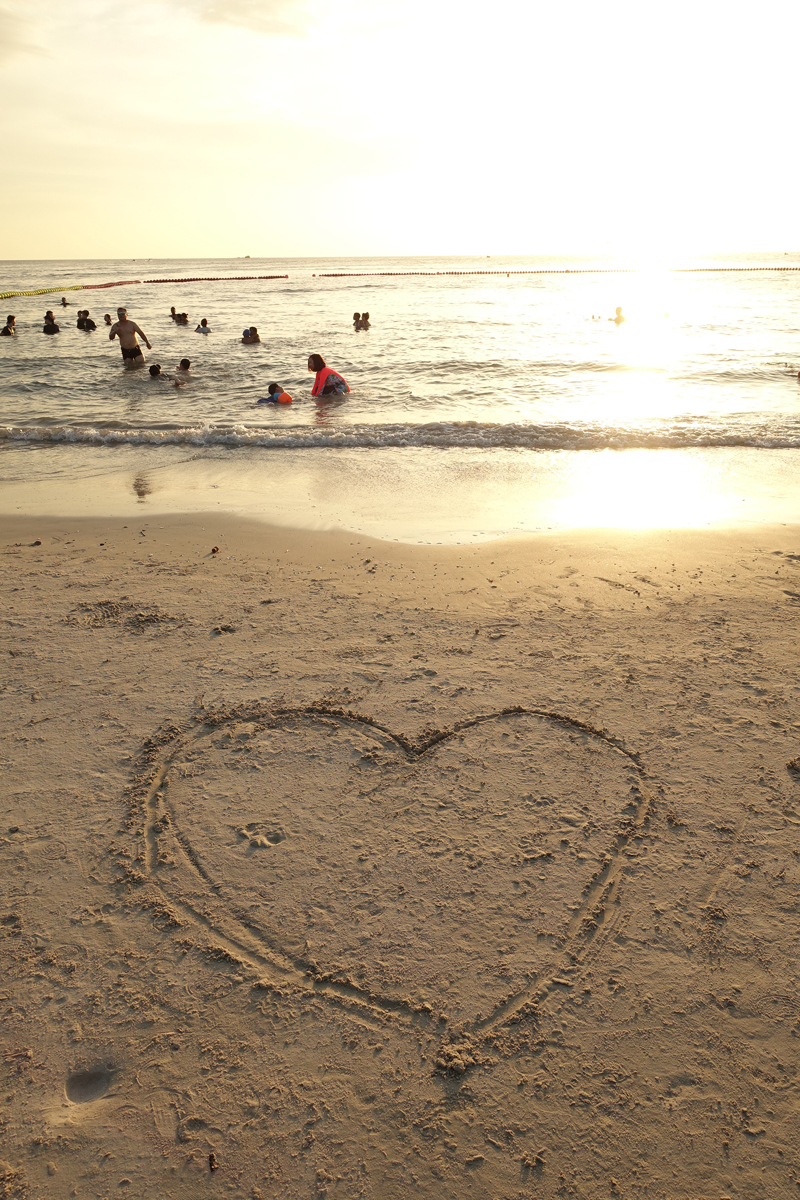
x: 327, y: 382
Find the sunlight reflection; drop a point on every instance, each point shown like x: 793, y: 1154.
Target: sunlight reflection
x: 647, y: 338
x: 646, y: 350
x: 636, y: 489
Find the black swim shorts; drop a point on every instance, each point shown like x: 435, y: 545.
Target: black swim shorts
x: 133, y: 352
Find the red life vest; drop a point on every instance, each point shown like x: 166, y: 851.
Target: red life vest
x: 321, y: 378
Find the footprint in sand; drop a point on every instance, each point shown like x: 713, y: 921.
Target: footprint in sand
x: 259, y: 838
x: 84, y: 1086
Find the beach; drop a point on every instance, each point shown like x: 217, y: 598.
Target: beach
x: 399, y: 722
x: 339, y: 866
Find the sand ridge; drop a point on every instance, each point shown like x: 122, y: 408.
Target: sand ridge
x: 456, y: 871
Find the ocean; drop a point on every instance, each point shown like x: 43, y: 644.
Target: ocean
x: 489, y: 396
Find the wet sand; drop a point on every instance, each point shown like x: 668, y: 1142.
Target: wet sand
x: 376, y: 870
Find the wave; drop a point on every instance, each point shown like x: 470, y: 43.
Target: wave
x: 779, y: 434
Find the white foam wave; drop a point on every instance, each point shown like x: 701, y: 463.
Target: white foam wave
x: 777, y: 435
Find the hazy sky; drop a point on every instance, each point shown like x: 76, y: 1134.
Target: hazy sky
x: 342, y: 127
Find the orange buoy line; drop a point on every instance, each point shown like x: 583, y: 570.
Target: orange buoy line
x: 83, y: 287
x: 532, y: 271
x: 550, y: 271
x: 215, y: 278
x: 696, y: 270
x: 86, y: 287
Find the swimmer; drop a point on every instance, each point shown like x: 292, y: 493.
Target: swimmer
x: 356, y: 320
x: 8, y: 329
x: 182, y: 319
x: 183, y: 365
x: 64, y: 302
x: 50, y: 325
x: 276, y: 395
x: 173, y: 313
x: 126, y: 331
x: 107, y: 318
x: 203, y: 327
x: 81, y: 322
x: 365, y: 320
x: 618, y: 319
x: 250, y: 336
x: 157, y: 373
x: 88, y: 323
x: 327, y: 382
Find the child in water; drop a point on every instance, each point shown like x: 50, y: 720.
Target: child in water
x: 276, y: 395
x: 327, y: 382
x: 157, y: 373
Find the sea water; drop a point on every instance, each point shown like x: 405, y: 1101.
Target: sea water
x: 488, y: 396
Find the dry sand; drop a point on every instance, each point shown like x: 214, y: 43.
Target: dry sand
x: 384, y: 871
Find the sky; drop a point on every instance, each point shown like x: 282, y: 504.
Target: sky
x: 194, y: 128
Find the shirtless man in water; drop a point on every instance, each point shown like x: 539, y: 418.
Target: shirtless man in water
x: 127, y: 331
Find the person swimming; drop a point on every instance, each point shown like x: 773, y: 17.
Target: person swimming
x: 250, y: 336
x: 157, y: 373
x: 327, y: 382
x: 50, y: 324
x: 203, y: 326
x: 107, y: 319
x: 356, y: 320
x: 618, y: 319
x: 276, y: 395
x: 365, y: 320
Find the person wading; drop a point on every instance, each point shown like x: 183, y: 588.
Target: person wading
x: 126, y: 331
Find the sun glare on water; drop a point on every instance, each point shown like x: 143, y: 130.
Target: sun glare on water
x: 644, y: 354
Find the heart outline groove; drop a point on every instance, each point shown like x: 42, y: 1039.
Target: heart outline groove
x: 226, y: 932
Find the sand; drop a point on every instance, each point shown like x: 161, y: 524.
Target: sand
x: 337, y: 867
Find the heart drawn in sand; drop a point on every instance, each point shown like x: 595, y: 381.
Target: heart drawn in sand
x: 449, y: 875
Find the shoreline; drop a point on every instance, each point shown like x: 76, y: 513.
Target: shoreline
x: 418, y: 495
x: 378, y: 869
